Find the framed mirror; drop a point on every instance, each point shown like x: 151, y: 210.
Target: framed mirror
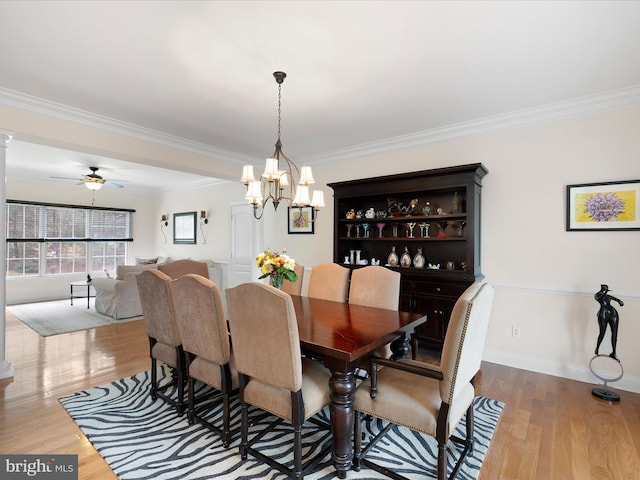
x: 184, y: 228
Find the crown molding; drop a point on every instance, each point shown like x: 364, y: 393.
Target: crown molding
x: 608, y: 101
x: 21, y: 101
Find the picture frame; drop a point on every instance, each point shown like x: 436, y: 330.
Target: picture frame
x: 300, y: 220
x: 603, y: 206
x: 184, y: 228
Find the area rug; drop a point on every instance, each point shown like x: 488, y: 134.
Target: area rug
x: 142, y: 439
x: 59, y: 316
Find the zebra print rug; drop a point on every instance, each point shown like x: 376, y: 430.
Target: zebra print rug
x: 142, y: 439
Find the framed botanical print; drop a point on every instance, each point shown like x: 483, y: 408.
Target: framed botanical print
x: 603, y: 206
x: 300, y: 220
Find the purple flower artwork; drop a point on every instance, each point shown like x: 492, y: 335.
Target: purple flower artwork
x: 604, y: 207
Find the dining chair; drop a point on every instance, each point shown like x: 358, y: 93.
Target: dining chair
x: 274, y: 377
x: 431, y: 399
x: 375, y: 286
x: 294, y: 288
x: 329, y: 281
x: 202, y: 324
x: 159, y: 313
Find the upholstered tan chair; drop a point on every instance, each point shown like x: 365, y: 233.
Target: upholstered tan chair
x: 158, y: 310
x: 329, y: 281
x: 379, y: 287
x: 294, y: 288
x: 177, y: 268
x: 375, y: 286
x: 273, y: 375
x: 428, y: 398
x: 202, y: 324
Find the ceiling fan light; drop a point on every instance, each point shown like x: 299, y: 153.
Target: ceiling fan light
x: 93, y: 183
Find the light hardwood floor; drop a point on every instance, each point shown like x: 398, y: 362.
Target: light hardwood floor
x: 551, y: 428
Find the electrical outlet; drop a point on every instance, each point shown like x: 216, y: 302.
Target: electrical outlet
x: 515, y: 331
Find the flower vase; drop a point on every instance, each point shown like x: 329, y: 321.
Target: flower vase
x: 277, y: 281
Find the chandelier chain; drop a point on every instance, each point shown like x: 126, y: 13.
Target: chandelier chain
x: 279, y: 107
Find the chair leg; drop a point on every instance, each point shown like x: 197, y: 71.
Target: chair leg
x: 357, y: 441
x: 226, y: 420
x: 442, y: 461
x: 154, y: 380
x: 469, y: 422
x: 191, y: 409
x: 297, y: 452
x: 244, y: 442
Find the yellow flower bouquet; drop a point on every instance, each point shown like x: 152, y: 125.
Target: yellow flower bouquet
x: 277, y: 267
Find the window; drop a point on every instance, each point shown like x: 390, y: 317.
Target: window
x: 47, y: 239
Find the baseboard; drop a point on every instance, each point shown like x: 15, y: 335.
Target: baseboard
x: 572, y: 372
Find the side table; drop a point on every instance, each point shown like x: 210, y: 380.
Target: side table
x: 83, y: 293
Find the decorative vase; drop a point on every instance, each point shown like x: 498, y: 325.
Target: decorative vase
x: 392, y: 259
x: 418, y: 260
x: 405, y: 259
x: 277, y: 281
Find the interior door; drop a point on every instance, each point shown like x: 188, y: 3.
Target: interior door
x: 246, y: 242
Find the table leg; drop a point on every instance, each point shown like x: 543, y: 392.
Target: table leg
x: 71, y: 294
x: 400, y: 348
x: 88, y: 294
x: 343, y: 386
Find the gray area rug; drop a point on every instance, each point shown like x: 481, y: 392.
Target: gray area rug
x: 59, y: 316
x: 143, y: 439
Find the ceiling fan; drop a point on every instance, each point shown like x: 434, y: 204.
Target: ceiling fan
x: 93, y: 181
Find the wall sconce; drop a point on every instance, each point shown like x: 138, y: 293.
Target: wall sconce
x: 203, y: 221
x: 164, y: 222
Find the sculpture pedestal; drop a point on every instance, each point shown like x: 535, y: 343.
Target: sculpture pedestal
x: 603, y: 391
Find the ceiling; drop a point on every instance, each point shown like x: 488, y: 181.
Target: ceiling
x: 359, y: 73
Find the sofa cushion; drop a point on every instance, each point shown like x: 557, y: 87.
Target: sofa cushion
x: 122, y: 270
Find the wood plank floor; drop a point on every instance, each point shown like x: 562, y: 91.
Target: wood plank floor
x: 551, y: 428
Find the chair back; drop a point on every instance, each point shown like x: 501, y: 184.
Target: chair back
x: 264, y: 331
x: 158, y: 307
x: 294, y: 288
x: 375, y: 286
x: 202, y: 322
x: 464, y: 340
x: 177, y: 268
x: 329, y: 281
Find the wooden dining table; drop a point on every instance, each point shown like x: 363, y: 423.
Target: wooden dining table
x: 342, y: 335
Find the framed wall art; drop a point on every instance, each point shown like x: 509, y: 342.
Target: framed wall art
x: 300, y: 220
x: 184, y: 228
x: 603, y: 206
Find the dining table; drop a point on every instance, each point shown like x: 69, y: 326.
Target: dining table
x: 341, y: 335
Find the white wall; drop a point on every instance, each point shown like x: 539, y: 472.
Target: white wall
x: 545, y: 277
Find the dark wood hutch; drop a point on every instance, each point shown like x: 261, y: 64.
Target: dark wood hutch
x: 448, y: 235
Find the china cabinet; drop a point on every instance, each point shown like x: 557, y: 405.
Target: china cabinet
x: 426, y: 226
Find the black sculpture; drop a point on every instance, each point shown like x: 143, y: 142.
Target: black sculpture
x: 607, y: 315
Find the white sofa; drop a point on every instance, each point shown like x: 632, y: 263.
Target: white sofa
x: 118, y: 297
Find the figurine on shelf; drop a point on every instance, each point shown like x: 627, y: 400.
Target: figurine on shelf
x: 426, y: 210
x: 455, y: 204
x: 405, y: 259
x: 371, y: 213
x: 392, y: 259
x: 351, y: 214
x: 418, y: 260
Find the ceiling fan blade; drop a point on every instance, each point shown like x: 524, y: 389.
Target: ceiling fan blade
x: 68, y: 178
x: 113, y: 184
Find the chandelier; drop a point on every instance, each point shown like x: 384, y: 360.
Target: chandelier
x: 282, y: 180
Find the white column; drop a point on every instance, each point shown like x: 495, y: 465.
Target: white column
x: 6, y: 370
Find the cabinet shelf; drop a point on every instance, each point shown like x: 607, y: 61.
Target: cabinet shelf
x: 403, y: 239
x: 429, y: 291
x: 405, y: 219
